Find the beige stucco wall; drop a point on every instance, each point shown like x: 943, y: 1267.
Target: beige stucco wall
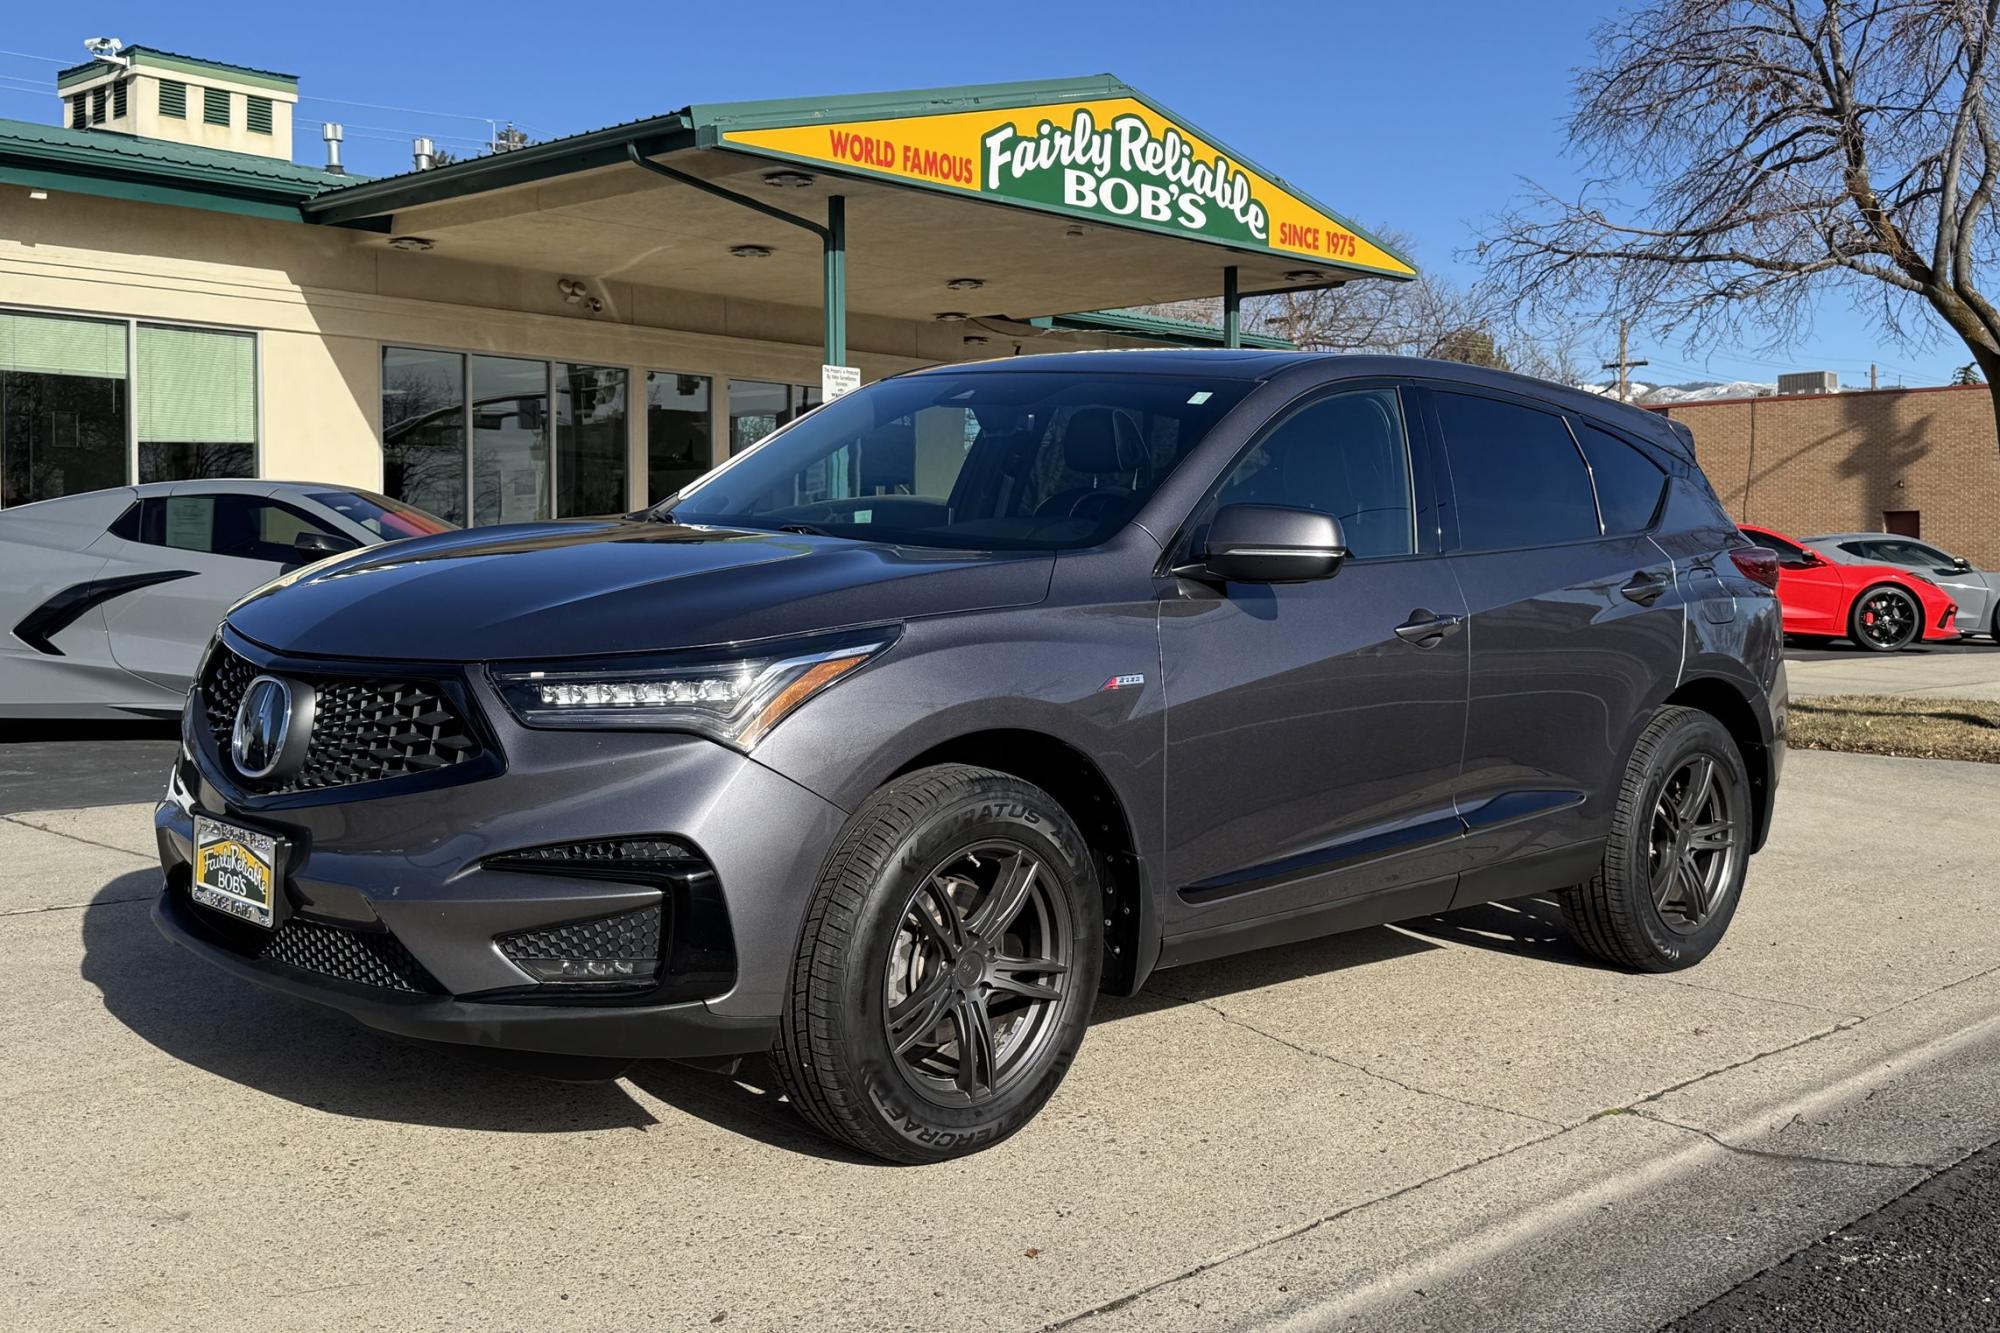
x: 325, y: 302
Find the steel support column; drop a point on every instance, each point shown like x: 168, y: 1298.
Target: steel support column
x: 833, y: 246
x: 1232, y: 310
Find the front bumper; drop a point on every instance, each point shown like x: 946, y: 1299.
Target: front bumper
x: 1943, y: 623
x: 408, y: 874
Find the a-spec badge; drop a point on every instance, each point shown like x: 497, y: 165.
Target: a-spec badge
x: 1131, y: 682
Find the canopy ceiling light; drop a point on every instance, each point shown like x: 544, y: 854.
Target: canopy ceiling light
x: 966, y: 284
x: 788, y: 180
x: 413, y: 243
x: 750, y: 251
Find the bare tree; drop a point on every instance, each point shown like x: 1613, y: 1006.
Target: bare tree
x: 1787, y: 150
x: 1431, y: 316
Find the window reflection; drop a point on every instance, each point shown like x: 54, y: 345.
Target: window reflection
x: 510, y: 440
x: 678, y: 418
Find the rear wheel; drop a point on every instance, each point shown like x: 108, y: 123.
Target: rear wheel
x: 948, y: 967
x: 1884, y: 619
x: 1673, y: 866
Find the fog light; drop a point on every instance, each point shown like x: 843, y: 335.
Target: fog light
x: 618, y: 950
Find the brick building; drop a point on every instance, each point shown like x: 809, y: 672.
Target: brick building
x: 1923, y: 462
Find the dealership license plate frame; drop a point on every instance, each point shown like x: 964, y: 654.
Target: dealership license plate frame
x: 239, y: 871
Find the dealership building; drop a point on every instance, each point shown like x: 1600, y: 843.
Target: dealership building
x: 581, y: 325
x: 1919, y: 462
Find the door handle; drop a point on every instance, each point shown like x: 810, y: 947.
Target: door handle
x: 1426, y: 629
x: 1644, y: 588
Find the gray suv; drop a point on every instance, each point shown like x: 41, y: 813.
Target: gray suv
x: 890, y: 744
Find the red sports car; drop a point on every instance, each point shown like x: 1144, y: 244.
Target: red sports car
x: 1880, y: 607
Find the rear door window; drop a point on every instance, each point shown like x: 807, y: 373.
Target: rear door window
x: 1629, y: 484
x: 1516, y: 475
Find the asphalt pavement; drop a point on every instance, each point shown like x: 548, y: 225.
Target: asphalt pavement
x: 1927, y: 1262
x: 1461, y: 1123
x: 66, y: 765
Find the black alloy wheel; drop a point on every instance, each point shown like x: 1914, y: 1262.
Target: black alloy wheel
x: 1885, y: 619
x: 947, y: 968
x: 1695, y: 845
x: 1681, y: 831
x: 978, y: 971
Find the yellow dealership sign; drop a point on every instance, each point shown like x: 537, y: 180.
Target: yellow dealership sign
x: 1112, y: 159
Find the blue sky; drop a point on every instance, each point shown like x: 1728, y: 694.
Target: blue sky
x: 1421, y: 117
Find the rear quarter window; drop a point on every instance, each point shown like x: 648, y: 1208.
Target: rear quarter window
x: 1516, y: 475
x: 1630, y: 485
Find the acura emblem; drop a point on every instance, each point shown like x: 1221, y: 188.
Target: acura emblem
x: 273, y: 726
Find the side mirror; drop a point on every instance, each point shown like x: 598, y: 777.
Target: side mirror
x: 1269, y: 544
x: 311, y: 546
x: 1960, y: 565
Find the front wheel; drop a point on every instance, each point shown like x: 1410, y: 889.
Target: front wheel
x: 947, y: 970
x: 1885, y: 619
x: 1680, y: 842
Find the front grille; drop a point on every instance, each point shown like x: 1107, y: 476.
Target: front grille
x: 365, y: 958
x: 365, y: 728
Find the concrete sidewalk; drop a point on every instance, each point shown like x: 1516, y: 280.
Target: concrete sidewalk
x: 1309, y: 1133
x: 1969, y: 675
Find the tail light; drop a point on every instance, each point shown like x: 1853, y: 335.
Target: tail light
x: 1756, y: 564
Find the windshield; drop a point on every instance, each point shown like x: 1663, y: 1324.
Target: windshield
x: 1029, y: 460
x: 388, y: 519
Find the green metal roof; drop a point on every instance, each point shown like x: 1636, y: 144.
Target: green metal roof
x: 703, y: 125
x: 123, y: 166
x: 1179, y: 332
x: 155, y: 58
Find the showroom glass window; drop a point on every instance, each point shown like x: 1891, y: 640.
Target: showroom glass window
x: 590, y: 439
x: 85, y: 403
x: 197, y: 395
x: 1516, y: 475
x: 678, y: 424
x: 510, y: 440
x: 758, y: 407
x: 65, y: 397
x: 423, y: 430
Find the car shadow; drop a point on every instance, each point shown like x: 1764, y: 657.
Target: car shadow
x: 747, y: 1101
x: 290, y: 1049
x: 1521, y: 927
x: 313, y: 1057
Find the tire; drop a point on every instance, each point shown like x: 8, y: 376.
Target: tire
x: 1885, y: 604
x: 1630, y: 913
x: 1994, y: 629
x: 880, y: 947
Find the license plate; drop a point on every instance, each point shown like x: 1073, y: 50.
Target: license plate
x: 236, y: 870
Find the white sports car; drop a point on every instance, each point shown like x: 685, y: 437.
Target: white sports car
x: 108, y: 597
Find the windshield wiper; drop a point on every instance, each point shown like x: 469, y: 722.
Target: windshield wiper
x: 804, y: 529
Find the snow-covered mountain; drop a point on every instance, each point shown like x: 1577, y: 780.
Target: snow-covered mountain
x: 1698, y: 392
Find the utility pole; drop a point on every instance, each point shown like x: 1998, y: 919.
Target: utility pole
x: 1624, y: 363
x: 1871, y: 377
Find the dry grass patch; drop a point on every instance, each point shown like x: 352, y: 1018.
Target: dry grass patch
x: 1899, y: 725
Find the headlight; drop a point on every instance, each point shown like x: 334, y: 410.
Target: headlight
x: 734, y: 697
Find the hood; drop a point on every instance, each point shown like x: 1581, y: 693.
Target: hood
x: 578, y: 589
